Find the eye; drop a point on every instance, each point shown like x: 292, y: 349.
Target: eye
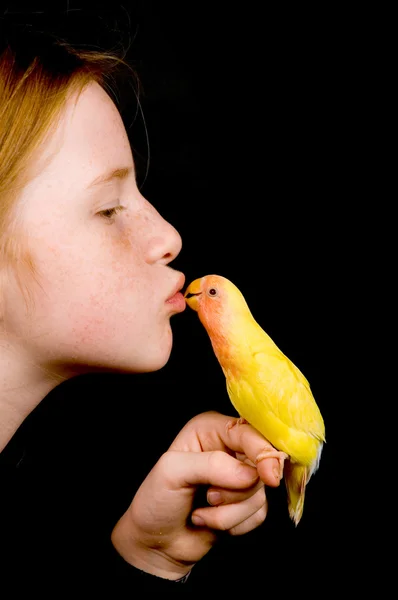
x: 212, y: 292
x: 109, y: 213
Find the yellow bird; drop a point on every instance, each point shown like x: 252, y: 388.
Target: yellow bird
x: 265, y: 387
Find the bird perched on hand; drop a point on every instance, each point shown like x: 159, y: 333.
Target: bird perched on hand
x: 264, y: 386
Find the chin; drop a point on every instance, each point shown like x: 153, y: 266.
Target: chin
x: 161, y: 361
x: 151, y: 366
x: 154, y: 359
x: 162, y: 353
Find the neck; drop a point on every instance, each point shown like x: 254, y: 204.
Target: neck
x: 240, y: 339
x: 23, y: 384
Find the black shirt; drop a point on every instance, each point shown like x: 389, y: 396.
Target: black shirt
x: 65, y: 479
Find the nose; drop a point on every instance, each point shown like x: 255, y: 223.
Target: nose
x: 165, y: 242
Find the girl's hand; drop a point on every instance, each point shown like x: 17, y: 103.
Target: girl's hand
x: 160, y: 532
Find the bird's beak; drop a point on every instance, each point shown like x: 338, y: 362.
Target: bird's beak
x: 192, y: 294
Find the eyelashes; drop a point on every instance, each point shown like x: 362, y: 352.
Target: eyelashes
x: 109, y: 214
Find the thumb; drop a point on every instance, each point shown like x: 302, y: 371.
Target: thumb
x: 185, y: 469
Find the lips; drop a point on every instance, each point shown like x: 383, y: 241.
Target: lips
x: 178, y: 287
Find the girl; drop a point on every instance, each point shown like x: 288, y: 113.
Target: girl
x: 86, y: 285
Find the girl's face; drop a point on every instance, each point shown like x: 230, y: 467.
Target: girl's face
x: 101, y: 251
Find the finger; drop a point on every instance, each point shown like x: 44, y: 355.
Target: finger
x: 251, y: 523
x: 187, y: 469
x: 243, y: 458
x: 227, y: 432
x: 228, y: 516
x: 243, y: 438
x: 217, y: 496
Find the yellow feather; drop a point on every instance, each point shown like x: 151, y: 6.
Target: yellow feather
x: 264, y: 386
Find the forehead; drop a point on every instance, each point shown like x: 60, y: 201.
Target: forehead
x: 89, y: 136
x: 93, y: 119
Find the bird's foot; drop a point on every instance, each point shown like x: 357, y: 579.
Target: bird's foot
x: 280, y: 456
x: 234, y: 422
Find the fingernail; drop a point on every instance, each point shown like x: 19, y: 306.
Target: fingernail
x: 214, y: 498
x: 196, y: 520
x: 246, y: 473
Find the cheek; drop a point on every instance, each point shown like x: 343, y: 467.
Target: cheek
x: 106, y: 265
x: 106, y: 298
x: 92, y: 327
x: 124, y: 235
x: 95, y: 285
x: 118, y: 320
x: 128, y: 333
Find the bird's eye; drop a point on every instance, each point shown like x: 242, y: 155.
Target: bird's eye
x: 212, y: 292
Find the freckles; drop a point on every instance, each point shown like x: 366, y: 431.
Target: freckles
x: 118, y: 239
x: 90, y: 329
x: 127, y: 254
x: 89, y: 332
x: 126, y: 238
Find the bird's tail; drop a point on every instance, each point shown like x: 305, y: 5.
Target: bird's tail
x: 295, y: 477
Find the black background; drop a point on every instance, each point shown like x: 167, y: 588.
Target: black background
x: 248, y: 115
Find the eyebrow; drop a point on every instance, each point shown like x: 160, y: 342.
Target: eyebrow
x: 119, y: 173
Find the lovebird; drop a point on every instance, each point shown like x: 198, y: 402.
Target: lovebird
x: 264, y: 386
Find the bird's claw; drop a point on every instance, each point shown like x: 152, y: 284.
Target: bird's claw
x: 272, y: 453
x: 234, y: 422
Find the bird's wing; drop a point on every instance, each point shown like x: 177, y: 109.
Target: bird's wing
x: 286, y: 392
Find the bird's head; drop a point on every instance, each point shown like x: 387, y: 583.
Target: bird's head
x: 215, y: 299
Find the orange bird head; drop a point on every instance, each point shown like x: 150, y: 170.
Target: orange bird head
x: 218, y: 303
